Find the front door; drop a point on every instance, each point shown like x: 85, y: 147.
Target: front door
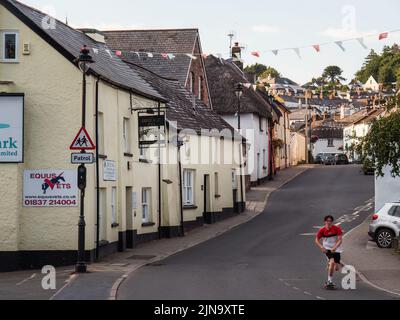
x: 206, y: 203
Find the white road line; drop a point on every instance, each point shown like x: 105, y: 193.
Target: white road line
x: 307, y: 293
x: 320, y: 298
x: 26, y: 280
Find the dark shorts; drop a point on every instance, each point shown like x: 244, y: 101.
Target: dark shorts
x: 336, y: 256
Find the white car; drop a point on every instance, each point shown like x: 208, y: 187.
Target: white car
x: 385, y: 226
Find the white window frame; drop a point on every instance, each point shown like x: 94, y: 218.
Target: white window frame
x: 114, y: 211
x: 125, y: 135
x: 3, y: 46
x: 200, y: 87
x: 146, y: 205
x: 188, y: 187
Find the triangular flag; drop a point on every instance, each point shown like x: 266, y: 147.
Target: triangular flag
x: 254, y: 87
x: 247, y: 85
x: 383, y: 35
x: 361, y: 42
x: 256, y: 54
x: 191, y: 56
x: 317, y: 47
x: 340, y: 45
x: 150, y: 55
x: 171, y: 56
x: 275, y: 52
x: 96, y: 51
x: 109, y: 53
x: 297, y: 51
x: 118, y: 53
x: 138, y: 54
x: 164, y: 55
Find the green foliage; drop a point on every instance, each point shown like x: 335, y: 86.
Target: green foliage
x: 385, y: 68
x: 382, y: 144
x: 262, y: 71
x: 333, y: 75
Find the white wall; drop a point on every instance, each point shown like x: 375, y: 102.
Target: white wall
x: 321, y: 146
x: 387, y: 189
x: 258, y: 142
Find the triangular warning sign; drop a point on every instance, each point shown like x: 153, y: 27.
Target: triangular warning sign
x: 83, y: 141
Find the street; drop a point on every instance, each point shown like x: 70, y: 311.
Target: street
x: 272, y: 256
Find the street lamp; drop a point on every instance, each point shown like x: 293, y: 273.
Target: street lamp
x: 239, y: 93
x: 84, y: 62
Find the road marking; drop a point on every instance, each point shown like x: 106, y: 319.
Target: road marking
x: 320, y: 298
x: 26, y: 280
x: 308, y: 234
x: 307, y: 293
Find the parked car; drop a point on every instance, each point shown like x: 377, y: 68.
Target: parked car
x: 319, y: 158
x: 341, y: 159
x: 329, y: 160
x: 385, y: 225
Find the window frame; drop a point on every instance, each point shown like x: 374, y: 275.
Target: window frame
x: 146, y: 205
x: 188, y: 189
x: 114, y: 204
x: 126, y: 135
x: 3, y: 58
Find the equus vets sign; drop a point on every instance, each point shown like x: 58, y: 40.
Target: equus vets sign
x: 11, y: 128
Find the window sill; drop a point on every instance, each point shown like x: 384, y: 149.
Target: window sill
x: 128, y: 155
x: 115, y: 225
x: 148, y: 224
x: 145, y: 161
x: 192, y: 207
x: 10, y: 61
x: 103, y: 243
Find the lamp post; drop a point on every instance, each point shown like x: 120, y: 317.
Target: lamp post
x: 84, y: 61
x: 239, y: 93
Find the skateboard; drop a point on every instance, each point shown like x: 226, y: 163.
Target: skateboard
x: 330, y: 287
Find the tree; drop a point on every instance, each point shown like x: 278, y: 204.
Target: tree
x: 256, y: 68
x: 333, y: 74
x: 270, y: 72
x: 381, y: 146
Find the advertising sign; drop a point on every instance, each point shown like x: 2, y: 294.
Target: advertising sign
x: 110, y: 171
x: 151, y: 130
x: 50, y: 188
x: 11, y: 128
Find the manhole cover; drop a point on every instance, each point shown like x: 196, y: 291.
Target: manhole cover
x: 141, y: 257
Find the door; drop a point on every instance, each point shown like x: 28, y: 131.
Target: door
x: 235, y: 191
x: 394, y: 214
x: 103, y: 214
x: 129, y: 208
x: 207, y: 203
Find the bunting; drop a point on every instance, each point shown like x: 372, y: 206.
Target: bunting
x: 362, y: 43
x: 317, y: 47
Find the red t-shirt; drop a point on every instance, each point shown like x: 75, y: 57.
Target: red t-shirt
x: 330, y: 237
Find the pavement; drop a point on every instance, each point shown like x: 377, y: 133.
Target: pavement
x: 105, y: 278
x: 378, y: 267
x: 273, y: 256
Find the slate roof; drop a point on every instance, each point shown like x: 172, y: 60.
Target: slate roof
x: 69, y: 41
x: 174, y: 41
x: 222, y: 77
x: 319, y: 102
x: 328, y: 133
x: 182, y: 107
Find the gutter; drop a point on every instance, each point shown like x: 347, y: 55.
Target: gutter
x: 97, y: 172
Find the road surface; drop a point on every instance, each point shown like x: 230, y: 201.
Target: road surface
x: 274, y: 255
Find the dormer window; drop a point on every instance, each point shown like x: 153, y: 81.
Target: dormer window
x: 9, y: 46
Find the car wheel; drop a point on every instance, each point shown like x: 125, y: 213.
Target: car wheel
x: 384, y: 239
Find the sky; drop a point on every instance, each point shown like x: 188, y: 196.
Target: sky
x: 262, y: 26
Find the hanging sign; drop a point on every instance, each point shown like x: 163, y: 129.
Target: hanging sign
x: 151, y: 130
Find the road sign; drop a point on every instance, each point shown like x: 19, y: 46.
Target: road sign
x: 82, y: 158
x: 83, y: 141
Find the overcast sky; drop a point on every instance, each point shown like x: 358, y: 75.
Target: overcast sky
x: 259, y: 25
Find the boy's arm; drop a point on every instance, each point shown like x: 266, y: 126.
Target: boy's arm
x: 338, y: 243
x: 318, y: 243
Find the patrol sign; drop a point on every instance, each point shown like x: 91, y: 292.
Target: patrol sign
x: 11, y: 128
x: 82, y: 158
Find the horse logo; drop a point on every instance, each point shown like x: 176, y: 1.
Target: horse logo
x: 52, y: 183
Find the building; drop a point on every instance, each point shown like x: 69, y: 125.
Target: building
x: 372, y: 85
x: 357, y: 127
x: 184, y: 62
x: 297, y: 148
x: 328, y: 137
x: 255, y: 115
x: 133, y: 192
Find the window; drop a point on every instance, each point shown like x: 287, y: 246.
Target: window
x: 10, y: 46
x: 114, y: 215
x: 264, y: 159
x: 261, y: 124
x: 125, y: 133
x: 395, y: 211
x: 216, y: 178
x: 200, y: 88
x: 188, y: 184
x: 234, y: 180
x: 146, y: 205
x: 330, y: 143
x: 103, y: 214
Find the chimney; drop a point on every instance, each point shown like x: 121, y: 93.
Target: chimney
x: 96, y: 35
x: 237, y: 55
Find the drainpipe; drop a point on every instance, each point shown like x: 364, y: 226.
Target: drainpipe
x: 286, y: 151
x: 97, y: 172
x: 159, y: 177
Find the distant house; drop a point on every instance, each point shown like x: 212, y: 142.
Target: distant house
x: 282, y: 86
x: 371, y: 85
x: 186, y: 65
x: 329, y: 136
x: 358, y: 126
x: 256, y: 115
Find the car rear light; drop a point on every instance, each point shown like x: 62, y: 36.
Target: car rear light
x: 375, y: 217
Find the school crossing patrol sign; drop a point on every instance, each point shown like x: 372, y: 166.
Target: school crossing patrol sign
x: 82, y: 141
